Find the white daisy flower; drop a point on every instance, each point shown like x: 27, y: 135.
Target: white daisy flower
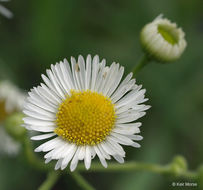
x: 11, y: 99
x: 86, y: 110
x: 163, y: 40
x: 4, y: 11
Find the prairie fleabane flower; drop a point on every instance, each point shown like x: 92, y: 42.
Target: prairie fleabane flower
x: 11, y: 100
x: 88, y: 110
x: 163, y: 40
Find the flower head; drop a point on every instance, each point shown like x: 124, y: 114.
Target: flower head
x: 163, y: 40
x: 86, y: 111
x: 11, y: 99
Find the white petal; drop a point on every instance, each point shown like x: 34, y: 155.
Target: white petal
x: 132, y: 96
x: 87, y: 157
x: 49, y: 84
x: 5, y: 12
x: 47, y: 160
x: 129, y: 125
x: 59, y: 76
x: 88, y: 72
x: 110, y: 78
x: 50, y: 93
x: 128, y: 113
x: 123, y: 83
x: 39, y: 110
x: 130, y: 118
x: 119, y: 158
x: 67, y: 74
x: 116, y: 81
x: 74, y: 70
x: 47, y: 96
x: 49, y: 145
x: 81, y: 63
x: 57, y: 153
x: 118, y: 148
x: 126, y: 131
x: 121, y: 139
x: 69, y: 156
x: 135, y: 137
x: 37, y: 122
x: 40, y: 103
x: 82, y: 153
x: 58, y: 164
x: 122, y: 91
x: 41, y: 128
x: 107, y: 149
x: 54, y: 80
x: 75, y: 160
x: 136, y: 145
x: 95, y: 67
x: 104, y: 76
x: 41, y: 137
x: 103, y: 152
x: 101, y: 158
x: 99, y: 78
x: 38, y: 116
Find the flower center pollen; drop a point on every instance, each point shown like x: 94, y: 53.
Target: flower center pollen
x: 85, y: 118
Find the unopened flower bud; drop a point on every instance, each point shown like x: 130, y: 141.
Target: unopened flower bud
x: 13, y: 126
x: 162, y: 40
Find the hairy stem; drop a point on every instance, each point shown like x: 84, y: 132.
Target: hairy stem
x: 169, y: 169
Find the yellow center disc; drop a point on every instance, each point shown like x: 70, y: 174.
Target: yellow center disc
x: 85, y: 118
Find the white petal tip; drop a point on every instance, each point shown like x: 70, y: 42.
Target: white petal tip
x: 63, y: 167
x: 47, y: 160
x: 136, y: 145
x: 37, y: 150
x: 87, y: 167
x: 72, y: 169
x: 104, y: 163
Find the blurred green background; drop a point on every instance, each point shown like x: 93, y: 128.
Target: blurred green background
x: 44, y: 32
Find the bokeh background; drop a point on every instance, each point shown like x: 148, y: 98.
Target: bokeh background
x: 44, y: 32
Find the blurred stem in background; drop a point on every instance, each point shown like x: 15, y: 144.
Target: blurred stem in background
x: 81, y: 181
x: 52, y: 178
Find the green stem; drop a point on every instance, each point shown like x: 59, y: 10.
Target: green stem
x: 142, y: 62
x: 50, y: 181
x: 81, y: 181
x: 139, y: 166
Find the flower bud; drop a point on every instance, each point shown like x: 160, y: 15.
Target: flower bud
x: 179, y: 165
x: 162, y: 40
x: 13, y: 125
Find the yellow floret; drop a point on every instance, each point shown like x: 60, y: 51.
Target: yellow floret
x: 85, y: 118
